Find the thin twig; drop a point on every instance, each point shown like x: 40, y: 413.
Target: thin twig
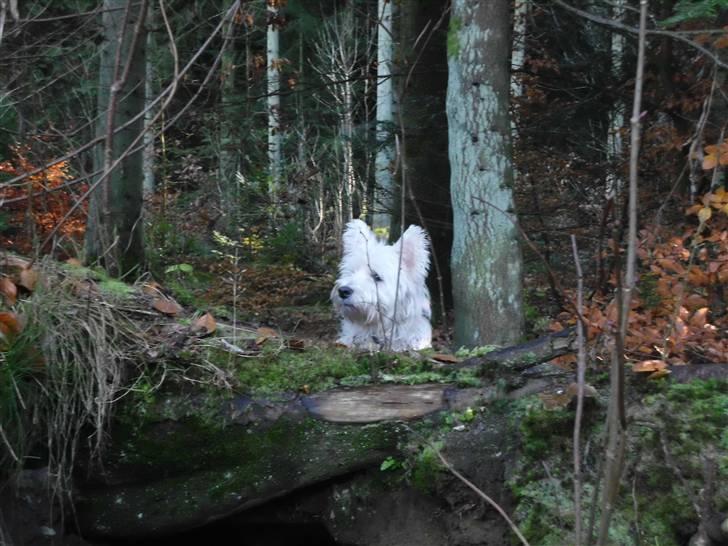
x: 580, y: 372
x: 616, y: 419
x: 482, y: 495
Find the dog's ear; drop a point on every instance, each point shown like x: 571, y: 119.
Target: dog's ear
x: 415, y: 247
x: 357, y: 235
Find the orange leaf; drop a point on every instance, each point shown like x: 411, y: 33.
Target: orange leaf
x: 649, y: 366
x: 704, y: 214
x: 206, y: 323
x: 9, y: 290
x: 28, y: 279
x: 166, y: 306
x: 699, y: 318
x: 671, y: 265
x: 448, y: 359
x: 74, y: 262
x: 10, y: 323
x: 709, y: 161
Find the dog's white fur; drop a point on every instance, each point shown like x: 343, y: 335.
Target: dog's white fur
x: 375, y: 314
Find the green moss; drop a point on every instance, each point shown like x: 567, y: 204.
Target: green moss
x: 314, y: 369
x: 543, y: 430
x: 311, y: 370
x: 688, y: 420
x: 453, y: 40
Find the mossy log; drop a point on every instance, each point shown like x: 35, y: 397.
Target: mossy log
x: 171, y: 473
x: 526, y: 355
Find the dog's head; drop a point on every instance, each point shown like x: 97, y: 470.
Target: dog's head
x: 371, y: 272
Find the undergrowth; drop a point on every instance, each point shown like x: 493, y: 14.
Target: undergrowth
x: 60, y: 376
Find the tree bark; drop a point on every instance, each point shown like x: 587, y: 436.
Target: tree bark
x: 114, y: 234
x: 486, y: 258
x: 384, y: 163
x: 275, y: 141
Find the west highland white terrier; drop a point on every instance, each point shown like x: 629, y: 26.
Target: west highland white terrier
x: 381, y: 293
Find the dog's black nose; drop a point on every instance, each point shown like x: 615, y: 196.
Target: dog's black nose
x: 345, y: 292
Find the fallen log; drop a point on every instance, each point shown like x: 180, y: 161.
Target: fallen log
x: 526, y: 355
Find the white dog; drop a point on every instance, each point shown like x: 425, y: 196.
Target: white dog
x: 381, y: 294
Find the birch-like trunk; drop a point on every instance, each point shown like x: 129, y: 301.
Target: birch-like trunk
x: 149, y: 96
x: 384, y: 161
x: 616, y: 114
x: 518, y: 53
x: 275, y: 140
x: 486, y: 257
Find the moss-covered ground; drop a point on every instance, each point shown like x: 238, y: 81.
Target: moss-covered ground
x: 676, y: 431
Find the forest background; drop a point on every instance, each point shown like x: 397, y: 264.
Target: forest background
x: 217, y: 150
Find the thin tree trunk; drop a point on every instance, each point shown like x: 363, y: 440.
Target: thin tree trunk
x: 384, y: 190
x: 114, y: 229
x: 617, y: 422
x: 275, y: 157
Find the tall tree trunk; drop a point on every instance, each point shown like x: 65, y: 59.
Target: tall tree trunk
x: 149, y: 96
x: 384, y: 163
x: 486, y: 258
x: 114, y: 235
x: 229, y: 143
x: 275, y: 158
x: 616, y: 113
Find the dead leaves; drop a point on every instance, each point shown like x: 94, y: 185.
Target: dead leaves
x: 166, y: 306
x: 205, y: 324
x: 9, y: 291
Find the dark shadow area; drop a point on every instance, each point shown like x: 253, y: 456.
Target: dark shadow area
x: 243, y: 533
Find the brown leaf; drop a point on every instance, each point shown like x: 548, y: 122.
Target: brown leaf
x: 9, y: 290
x: 152, y: 288
x: 699, y: 318
x: 649, y: 366
x: 166, y: 306
x: 28, y: 279
x: 10, y: 323
x: 296, y: 344
x: 659, y: 373
x: 446, y: 358
x: 74, y: 262
x: 264, y: 334
x: 206, y: 323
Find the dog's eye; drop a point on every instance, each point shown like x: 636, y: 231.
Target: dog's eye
x: 376, y: 277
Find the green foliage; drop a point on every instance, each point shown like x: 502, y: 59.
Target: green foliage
x: 182, y: 269
x: 426, y: 467
x: 19, y: 362
x: 390, y: 463
x: 690, y: 10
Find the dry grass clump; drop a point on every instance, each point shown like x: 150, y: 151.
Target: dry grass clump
x: 60, y: 376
